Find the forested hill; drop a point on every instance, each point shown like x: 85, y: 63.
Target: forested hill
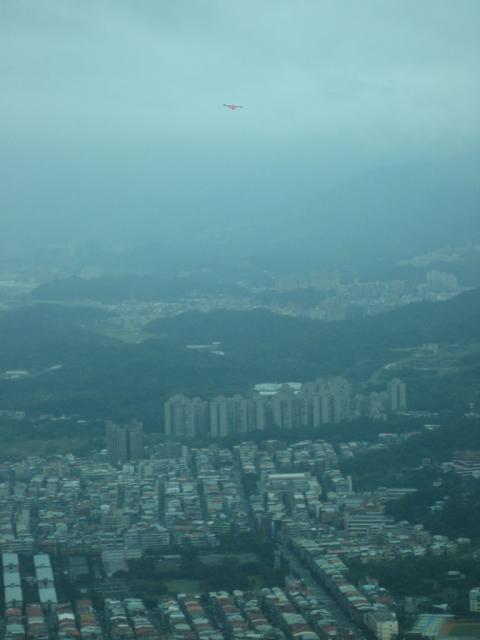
x: 40, y: 335
x: 456, y: 320
x: 114, y: 289
x: 101, y: 376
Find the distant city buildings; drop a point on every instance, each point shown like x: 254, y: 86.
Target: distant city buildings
x: 287, y: 406
x: 323, y: 280
x: 440, y: 281
x: 124, y: 441
x: 465, y: 463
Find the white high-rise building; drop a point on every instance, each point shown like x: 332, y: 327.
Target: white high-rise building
x: 397, y: 395
x: 284, y: 408
x: 186, y: 417
x: 474, y: 600
x: 124, y: 441
x: 383, y: 624
x: 231, y: 415
x: 291, y: 405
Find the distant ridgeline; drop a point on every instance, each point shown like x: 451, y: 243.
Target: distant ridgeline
x: 285, y: 406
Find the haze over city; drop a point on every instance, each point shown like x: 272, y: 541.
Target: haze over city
x: 113, y: 126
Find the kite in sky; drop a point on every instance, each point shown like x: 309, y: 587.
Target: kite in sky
x: 233, y: 107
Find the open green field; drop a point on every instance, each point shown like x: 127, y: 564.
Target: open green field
x: 257, y: 582
x: 197, y: 586
x: 183, y: 586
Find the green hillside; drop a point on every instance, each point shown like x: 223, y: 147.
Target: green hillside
x: 100, y: 376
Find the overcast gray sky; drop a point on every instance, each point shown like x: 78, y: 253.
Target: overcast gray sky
x: 111, y: 110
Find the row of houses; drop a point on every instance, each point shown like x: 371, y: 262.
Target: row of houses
x: 198, y: 618
x: 37, y: 628
x: 128, y: 620
x: 331, y: 571
x: 14, y: 626
x: 88, y: 624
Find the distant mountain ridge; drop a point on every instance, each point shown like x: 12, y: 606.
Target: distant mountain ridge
x: 115, y: 289
x: 383, y: 214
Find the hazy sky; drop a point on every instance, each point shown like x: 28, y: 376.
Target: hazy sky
x: 111, y: 111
